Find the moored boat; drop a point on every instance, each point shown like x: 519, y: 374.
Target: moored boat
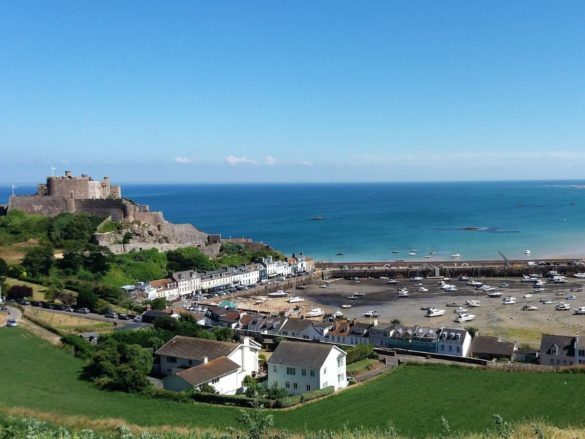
x: 435, y: 312
x: 278, y: 293
x: 315, y: 312
x: 296, y: 299
x: 464, y: 317
x: 509, y: 300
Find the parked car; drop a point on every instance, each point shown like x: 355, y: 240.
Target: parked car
x: 68, y: 309
x: 111, y: 315
x: 138, y: 318
x: 82, y: 310
x: 11, y: 323
x: 123, y: 316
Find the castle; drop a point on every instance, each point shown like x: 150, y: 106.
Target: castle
x: 71, y: 194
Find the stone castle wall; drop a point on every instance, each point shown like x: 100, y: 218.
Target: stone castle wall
x: 118, y: 249
x: 38, y: 205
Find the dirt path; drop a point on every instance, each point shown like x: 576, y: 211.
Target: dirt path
x: 39, y: 331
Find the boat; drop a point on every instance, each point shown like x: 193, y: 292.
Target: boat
x: 579, y: 275
x: 460, y: 310
x: 527, y: 278
x: 448, y: 287
x: 547, y: 301
x: 580, y: 311
x: 538, y: 289
x: 473, y: 303
x: 403, y: 292
x: 315, y: 312
x: 455, y: 255
x: 509, y: 300
x: 279, y: 293
x: 358, y: 294
x: 576, y: 290
x: 395, y: 251
x: 494, y: 294
x: 391, y: 281
x: 371, y: 313
x: 504, y: 285
x: 337, y: 315
x: 486, y: 288
x: 318, y: 218
x: 474, y: 283
x: 559, y: 279
x: 464, y: 317
x: 435, y: 312
x: 527, y: 252
x: 529, y: 308
x: 416, y: 279
x: 346, y: 306
x: 352, y: 297
x: 562, y: 307
x: 571, y: 297
x: 324, y: 286
x: 463, y: 278
x: 412, y: 254
x: 339, y: 254
x: 527, y: 296
x: 295, y: 299
x: 422, y: 290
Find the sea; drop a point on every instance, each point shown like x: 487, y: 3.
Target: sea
x: 383, y: 221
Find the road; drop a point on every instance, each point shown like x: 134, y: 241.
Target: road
x: 14, y: 313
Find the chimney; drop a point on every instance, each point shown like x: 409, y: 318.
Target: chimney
x: 68, y: 174
x: 205, y: 360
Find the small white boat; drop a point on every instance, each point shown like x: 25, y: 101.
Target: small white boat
x: 448, y: 287
x: 494, y: 294
x: 464, y: 317
x: 422, y: 290
x: 529, y: 308
x: 412, y: 254
x: 358, y: 294
x: 391, y: 281
x: 371, y: 313
x: 474, y: 283
x: 504, y: 285
x: 579, y: 275
x: 463, y: 278
x: 473, y: 303
x: 279, y: 293
x: 527, y: 252
x: 559, y: 279
x: 324, y: 286
x: 538, y: 289
x: 435, y: 312
x: 547, y: 301
x: 352, y: 297
x: 403, y: 292
x: 455, y: 255
x: 539, y: 283
x: 416, y: 279
x: 337, y: 314
x: 527, y: 296
x: 580, y: 311
x: 315, y: 312
x: 509, y: 300
x: 562, y: 307
x: 526, y: 278
x: 460, y: 310
x: 346, y: 306
x: 486, y: 288
x: 295, y: 299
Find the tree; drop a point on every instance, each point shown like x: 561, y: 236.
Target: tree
x: 86, y: 298
x: 39, y: 260
x: 223, y: 334
x: 3, y: 268
x: 189, y: 258
x: 473, y: 330
x: 207, y: 388
x: 158, y: 303
x: 97, y: 262
x: 256, y: 421
x: 120, y: 366
x: 17, y: 292
x: 71, y: 262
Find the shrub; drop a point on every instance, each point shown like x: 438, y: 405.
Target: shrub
x: 81, y: 347
x: 360, y: 352
x: 16, y: 292
x: 316, y: 394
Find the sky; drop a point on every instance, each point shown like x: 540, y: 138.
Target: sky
x: 292, y: 91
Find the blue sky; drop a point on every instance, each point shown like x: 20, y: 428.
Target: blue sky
x: 230, y: 91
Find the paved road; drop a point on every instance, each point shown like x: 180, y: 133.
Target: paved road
x: 14, y: 313
x: 90, y: 316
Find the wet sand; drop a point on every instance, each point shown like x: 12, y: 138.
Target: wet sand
x: 492, y: 317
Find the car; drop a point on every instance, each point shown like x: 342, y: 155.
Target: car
x: 68, y: 309
x: 111, y: 315
x: 35, y: 303
x: 138, y: 318
x: 23, y: 302
x: 82, y: 310
x: 3, y: 308
x: 11, y: 323
x: 123, y: 316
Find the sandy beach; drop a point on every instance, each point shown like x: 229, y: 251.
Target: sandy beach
x: 492, y: 317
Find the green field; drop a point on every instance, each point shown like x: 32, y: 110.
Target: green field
x: 36, y: 375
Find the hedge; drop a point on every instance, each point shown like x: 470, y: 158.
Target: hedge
x: 239, y: 400
x: 315, y: 394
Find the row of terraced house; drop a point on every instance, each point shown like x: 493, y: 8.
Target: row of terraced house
x: 192, y: 282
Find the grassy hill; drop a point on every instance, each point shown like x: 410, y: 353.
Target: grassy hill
x: 413, y: 398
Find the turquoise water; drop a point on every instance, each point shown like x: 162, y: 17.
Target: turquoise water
x: 367, y: 222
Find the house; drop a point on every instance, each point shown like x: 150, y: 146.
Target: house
x: 561, y: 350
x: 163, y: 288
x: 222, y: 317
x: 492, y: 348
x: 188, y: 281
x: 301, y: 328
x: 188, y: 362
x: 414, y: 338
x: 151, y: 316
x: 301, y: 367
x: 455, y: 342
x: 348, y: 332
x: 276, y: 268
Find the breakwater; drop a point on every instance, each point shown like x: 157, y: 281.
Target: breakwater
x: 486, y: 268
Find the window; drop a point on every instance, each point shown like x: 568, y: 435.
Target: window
x: 304, y: 372
x: 274, y: 369
x: 215, y: 380
x: 340, y: 362
x: 295, y: 386
x: 312, y: 372
x: 308, y: 387
x: 325, y: 371
x: 172, y: 359
x: 458, y: 349
x: 291, y: 371
x: 287, y: 385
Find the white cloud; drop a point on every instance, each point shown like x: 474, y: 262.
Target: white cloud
x: 182, y: 160
x: 304, y: 163
x: 235, y: 161
x: 271, y: 161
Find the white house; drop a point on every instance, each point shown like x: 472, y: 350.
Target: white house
x: 189, y: 362
x: 188, y: 281
x: 163, y: 288
x: 303, y: 328
x: 301, y: 367
x: 455, y: 342
x: 276, y: 268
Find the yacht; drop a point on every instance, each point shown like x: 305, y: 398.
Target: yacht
x: 391, y: 281
x: 527, y: 252
x: 463, y: 278
x: 346, y: 306
x: 434, y: 312
x: 527, y: 296
x: 371, y: 313
x: 509, y: 300
x: 486, y: 288
x: 526, y: 278
x: 296, y: 299
x: 416, y: 279
x: 358, y: 294
x: 579, y: 275
x: 474, y: 283
x: 403, y: 292
x: 337, y: 315
x: 423, y: 290
x: 580, y: 311
x: 460, y: 310
x: 563, y: 307
x: 559, y: 279
x: 448, y: 287
x: 315, y: 312
x: 529, y: 308
x: 494, y: 294
x: 473, y: 303
x: 279, y: 293
x: 462, y: 318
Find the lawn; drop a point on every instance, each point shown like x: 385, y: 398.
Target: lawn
x: 67, y: 323
x: 360, y: 366
x: 413, y: 398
